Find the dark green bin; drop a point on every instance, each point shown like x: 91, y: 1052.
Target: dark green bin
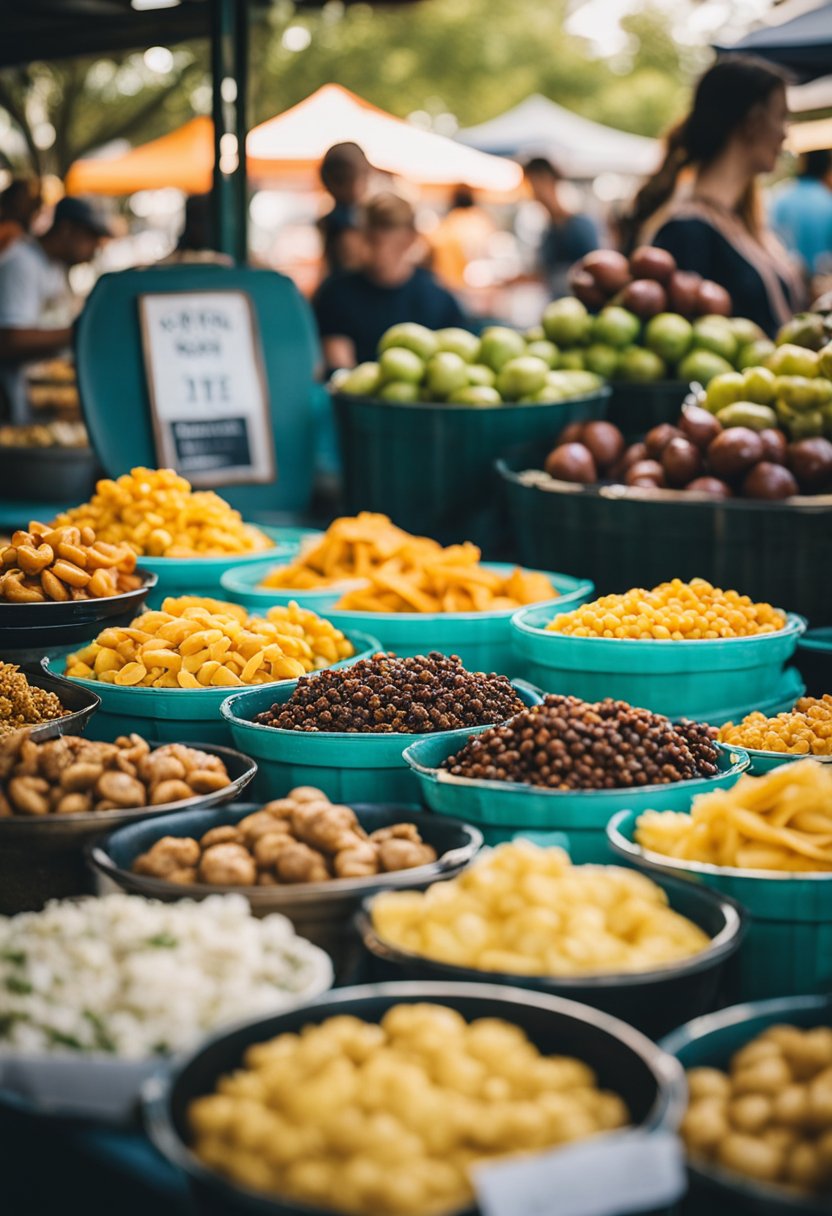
x: 780, y: 552
x: 430, y: 467
x: 636, y: 408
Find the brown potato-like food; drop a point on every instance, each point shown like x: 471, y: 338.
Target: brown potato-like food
x: 227, y: 865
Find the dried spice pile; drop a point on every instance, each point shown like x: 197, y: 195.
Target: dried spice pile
x: 21, y: 704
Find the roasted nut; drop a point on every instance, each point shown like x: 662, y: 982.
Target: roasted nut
x: 73, y: 804
x: 257, y: 824
x: 360, y: 861
x: 268, y: 848
x: 227, y: 865
x: 30, y: 795
x: 158, y: 766
x: 170, y: 791
x: 121, y: 789
x: 80, y: 776
x: 298, y: 863
x: 226, y: 834
x: 206, y: 781
x: 134, y: 747
x: 397, y: 854
x: 330, y: 828
x: 183, y: 877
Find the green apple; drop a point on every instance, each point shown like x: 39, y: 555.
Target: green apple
x: 498, y: 344
x: 806, y: 329
x: 724, y: 389
x: 475, y: 394
x: 399, y: 390
x: 669, y: 336
x: 535, y: 333
x: 459, y: 342
x: 571, y: 360
x: 702, y: 366
x: 399, y: 363
x: 545, y: 350
x: 566, y: 322
x: 747, y: 413
x: 361, y: 381
x: 601, y: 359
x: 760, y: 385
x: 746, y: 331
x: 444, y: 374
x: 411, y: 336
x: 791, y: 360
x: 803, y: 393
x: 714, y: 334
x: 640, y: 366
x: 583, y: 384
x: 755, y: 353
x: 522, y: 377
x: 616, y: 327
x: 478, y: 373
x: 825, y: 360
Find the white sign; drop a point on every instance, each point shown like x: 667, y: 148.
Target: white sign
x: 208, y: 394
x: 628, y: 1171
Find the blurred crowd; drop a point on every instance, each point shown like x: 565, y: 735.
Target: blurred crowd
x: 382, y: 260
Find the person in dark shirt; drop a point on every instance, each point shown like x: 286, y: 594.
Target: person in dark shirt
x: 354, y: 308
x: 568, y: 235
x: 732, y: 135
x: 345, y: 174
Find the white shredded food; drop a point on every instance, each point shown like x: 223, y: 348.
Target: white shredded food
x: 135, y: 977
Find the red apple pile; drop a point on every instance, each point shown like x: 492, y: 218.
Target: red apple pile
x: 646, y: 283
x: 698, y: 455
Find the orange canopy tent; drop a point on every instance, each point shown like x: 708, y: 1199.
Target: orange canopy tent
x: 289, y: 148
x: 184, y: 159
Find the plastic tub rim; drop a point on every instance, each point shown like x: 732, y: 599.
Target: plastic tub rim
x: 337, y: 736
x: 602, y: 393
x: 584, y: 586
x: 796, y: 625
x: 624, y: 847
x: 740, y: 761
x: 98, y: 856
x: 668, y: 1108
x: 725, y: 943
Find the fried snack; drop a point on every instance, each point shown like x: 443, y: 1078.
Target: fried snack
x: 297, y: 839
x: 781, y: 821
x: 157, y: 514
x: 674, y: 611
x: 59, y: 434
x: 403, y: 573
x: 194, y: 642
x: 22, y: 704
x: 805, y: 730
x: 525, y: 910
x: 67, y: 563
x: 769, y: 1117
x: 388, y: 1119
x: 74, y: 775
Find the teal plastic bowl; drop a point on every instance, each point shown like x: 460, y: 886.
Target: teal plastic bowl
x: 710, y: 1042
x: 696, y: 679
x: 764, y: 762
x: 481, y: 639
x: 347, y: 767
x: 167, y: 715
x: 201, y: 575
x: 503, y: 810
x: 788, y: 950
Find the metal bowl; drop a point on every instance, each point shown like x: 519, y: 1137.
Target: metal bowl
x: 81, y: 703
x: 42, y: 857
x: 52, y: 624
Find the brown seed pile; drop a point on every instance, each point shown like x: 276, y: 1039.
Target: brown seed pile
x: 297, y: 839
x: 21, y: 704
x: 568, y: 744
x: 385, y: 694
x: 72, y: 775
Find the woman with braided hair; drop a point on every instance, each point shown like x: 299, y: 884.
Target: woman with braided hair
x: 703, y: 204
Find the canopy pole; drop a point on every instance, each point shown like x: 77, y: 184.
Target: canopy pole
x: 229, y: 82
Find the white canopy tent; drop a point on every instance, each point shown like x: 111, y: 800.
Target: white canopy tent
x: 578, y: 147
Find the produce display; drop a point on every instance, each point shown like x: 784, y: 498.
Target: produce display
x: 501, y: 367
x: 654, y: 321
x: 780, y: 821
x: 72, y: 775
x: 674, y: 611
x: 57, y: 564
x: 388, y: 1119
x: 60, y: 434
x: 133, y: 978
x: 805, y: 730
x: 768, y: 1118
x: 156, y: 512
x: 297, y: 839
x: 568, y: 744
x: 403, y: 573
x: 24, y: 704
x: 525, y: 910
x: 734, y: 453
x: 388, y: 695
x: 196, y: 642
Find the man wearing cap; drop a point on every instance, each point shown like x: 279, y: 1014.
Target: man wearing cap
x: 33, y: 283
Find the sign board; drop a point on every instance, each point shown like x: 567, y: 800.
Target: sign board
x: 208, y: 394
